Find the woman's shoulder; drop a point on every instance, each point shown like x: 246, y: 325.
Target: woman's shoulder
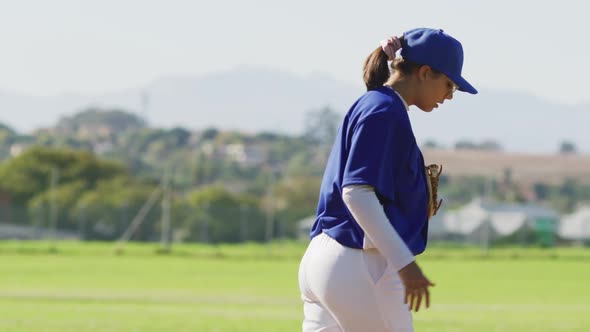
x: 382, y: 102
x: 382, y: 99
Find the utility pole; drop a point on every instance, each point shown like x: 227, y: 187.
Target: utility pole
x: 82, y: 222
x: 485, y: 235
x: 205, y: 223
x: 243, y: 222
x: 166, y: 202
x: 54, y: 178
x: 270, y: 211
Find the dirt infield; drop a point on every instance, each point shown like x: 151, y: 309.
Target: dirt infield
x: 524, y: 168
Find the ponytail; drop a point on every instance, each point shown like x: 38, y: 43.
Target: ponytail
x: 376, y: 71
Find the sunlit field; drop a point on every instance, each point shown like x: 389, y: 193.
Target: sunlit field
x: 94, y: 287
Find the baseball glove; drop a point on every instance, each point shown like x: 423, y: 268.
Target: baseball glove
x: 433, y: 172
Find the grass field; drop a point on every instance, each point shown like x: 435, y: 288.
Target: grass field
x: 88, y: 287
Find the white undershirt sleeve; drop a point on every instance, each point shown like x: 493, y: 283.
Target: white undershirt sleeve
x: 364, y: 206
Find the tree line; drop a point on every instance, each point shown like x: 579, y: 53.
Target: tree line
x: 93, y: 173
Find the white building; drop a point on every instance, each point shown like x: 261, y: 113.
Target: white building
x: 576, y: 226
x: 20, y: 232
x: 483, y: 221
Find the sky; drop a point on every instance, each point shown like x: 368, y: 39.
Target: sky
x: 92, y: 47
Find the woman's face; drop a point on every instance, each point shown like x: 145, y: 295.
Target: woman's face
x: 434, y: 89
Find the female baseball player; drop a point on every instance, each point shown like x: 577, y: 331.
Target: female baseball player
x: 358, y: 273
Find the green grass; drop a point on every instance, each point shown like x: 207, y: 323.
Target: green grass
x: 93, y: 287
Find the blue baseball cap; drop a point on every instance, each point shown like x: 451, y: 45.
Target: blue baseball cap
x: 440, y: 51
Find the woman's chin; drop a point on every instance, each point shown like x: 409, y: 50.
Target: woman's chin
x: 428, y: 109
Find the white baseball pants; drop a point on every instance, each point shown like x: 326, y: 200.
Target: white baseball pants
x: 350, y: 290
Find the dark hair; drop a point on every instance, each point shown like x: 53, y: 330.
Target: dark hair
x: 376, y: 72
x: 406, y: 67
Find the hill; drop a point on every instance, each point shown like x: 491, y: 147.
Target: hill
x: 256, y: 99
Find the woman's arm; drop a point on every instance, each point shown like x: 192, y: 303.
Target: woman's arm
x: 364, y: 206
x: 362, y: 202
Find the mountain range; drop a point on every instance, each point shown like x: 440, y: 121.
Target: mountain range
x: 254, y: 98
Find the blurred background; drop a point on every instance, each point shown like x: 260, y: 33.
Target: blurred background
x: 160, y: 161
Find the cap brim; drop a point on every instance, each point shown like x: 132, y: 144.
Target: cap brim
x: 464, y: 85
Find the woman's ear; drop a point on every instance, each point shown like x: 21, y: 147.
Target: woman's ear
x: 424, y: 72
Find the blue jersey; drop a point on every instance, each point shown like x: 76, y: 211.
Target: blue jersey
x: 375, y: 146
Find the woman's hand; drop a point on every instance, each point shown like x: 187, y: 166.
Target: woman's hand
x: 416, y: 285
